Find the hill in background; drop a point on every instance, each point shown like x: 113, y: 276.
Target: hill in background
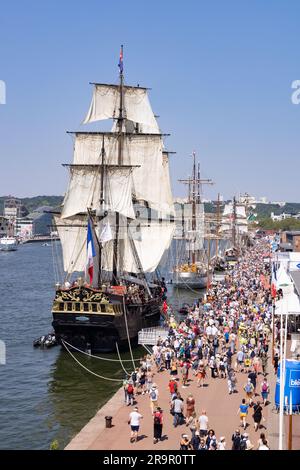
x: 30, y: 204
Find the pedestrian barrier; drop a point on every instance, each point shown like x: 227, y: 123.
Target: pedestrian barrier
x: 150, y: 336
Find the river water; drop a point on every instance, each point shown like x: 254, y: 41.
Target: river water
x: 44, y: 394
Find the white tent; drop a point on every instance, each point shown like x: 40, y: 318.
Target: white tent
x: 290, y: 304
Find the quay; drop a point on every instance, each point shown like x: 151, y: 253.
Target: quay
x: 221, y: 407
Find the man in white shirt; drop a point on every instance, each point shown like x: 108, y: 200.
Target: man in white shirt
x: 203, y: 424
x: 134, y: 421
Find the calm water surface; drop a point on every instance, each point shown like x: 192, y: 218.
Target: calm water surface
x: 44, y: 394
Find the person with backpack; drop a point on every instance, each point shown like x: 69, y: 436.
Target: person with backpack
x: 265, y: 390
x: 130, y: 393
x: 236, y: 440
x: 153, y: 397
x: 157, y: 425
x: 249, y: 389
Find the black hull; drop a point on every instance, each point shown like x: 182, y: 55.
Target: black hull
x: 102, y: 332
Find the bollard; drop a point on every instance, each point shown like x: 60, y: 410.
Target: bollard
x: 108, y: 420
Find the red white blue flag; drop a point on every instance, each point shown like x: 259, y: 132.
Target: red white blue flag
x: 91, y: 253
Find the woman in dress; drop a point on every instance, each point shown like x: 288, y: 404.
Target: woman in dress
x: 201, y: 374
x: 190, y: 409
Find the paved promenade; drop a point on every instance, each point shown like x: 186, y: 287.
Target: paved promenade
x: 221, y: 410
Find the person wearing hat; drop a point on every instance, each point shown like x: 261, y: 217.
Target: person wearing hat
x: 236, y: 440
x: 134, y: 421
x: 222, y: 443
x: 153, y: 397
x: 185, y: 443
x: 249, y: 445
x: 195, y: 441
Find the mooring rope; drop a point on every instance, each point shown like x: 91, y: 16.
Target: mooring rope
x: 126, y: 324
x: 99, y: 357
x: 128, y: 373
x: 88, y: 370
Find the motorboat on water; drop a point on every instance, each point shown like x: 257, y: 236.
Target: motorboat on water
x: 8, y: 244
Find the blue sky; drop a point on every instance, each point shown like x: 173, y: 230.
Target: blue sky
x: 220, y: 73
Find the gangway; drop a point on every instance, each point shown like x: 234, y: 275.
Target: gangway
x: 150, y: 336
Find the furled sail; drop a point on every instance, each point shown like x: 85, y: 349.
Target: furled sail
x: 84, y: 191
x: 106, y: 102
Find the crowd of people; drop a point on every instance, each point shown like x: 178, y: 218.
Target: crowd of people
x: 225, y: 334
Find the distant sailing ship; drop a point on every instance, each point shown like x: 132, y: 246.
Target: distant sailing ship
x: 192, y: 269
x: 234, y: 224
x: 119, y: 206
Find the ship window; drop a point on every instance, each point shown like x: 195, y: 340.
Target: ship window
x: 103, y: 308
x: 69, y: 307
x: 86, y: 307
x: 77, y: 307
x: 61, y: 306
x: 94, y: 307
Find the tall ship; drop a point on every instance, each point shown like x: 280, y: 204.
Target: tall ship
x: 192, y: 269
x: 234, y: 225
x: 116, y: 221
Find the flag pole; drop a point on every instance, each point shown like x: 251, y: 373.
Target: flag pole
x: 280, y: 443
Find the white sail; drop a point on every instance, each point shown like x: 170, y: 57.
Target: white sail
x: 151, y: 179
x: 106, y: 102
x: 154, y: 238
x: 240, y: 211
x: 151, y: 239
x: 84, y: 191
x: 73, y: 234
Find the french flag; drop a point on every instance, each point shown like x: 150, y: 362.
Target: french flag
x: 91, y: 253
x: 274, y: 280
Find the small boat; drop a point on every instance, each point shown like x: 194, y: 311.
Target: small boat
x: 45, y: 341
x: 8, y: 244
x: 45, y: 244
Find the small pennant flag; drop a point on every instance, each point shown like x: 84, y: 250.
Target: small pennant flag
x: 120, y: 64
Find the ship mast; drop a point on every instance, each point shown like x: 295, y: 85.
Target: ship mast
x: 234, y: 223
x: 218, y: 225
x: 120, y: 120
x: 195, y: 196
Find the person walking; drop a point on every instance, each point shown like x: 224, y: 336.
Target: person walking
x: 153, y: 397
x: 257, y: 415
x: 190, y: 409
x: 134, y: 421
x: 236, y: 440
x: 130, y: 393
x: 222, y: 443
x: 201, y: 374
x: 185, y: 443
x: 177, y: 410
x: 195, y: 441
x: 249, y: 389
x: 243, y: 412
x: 157, y: 425
x: 265, y: 390
x: 203, y: 424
